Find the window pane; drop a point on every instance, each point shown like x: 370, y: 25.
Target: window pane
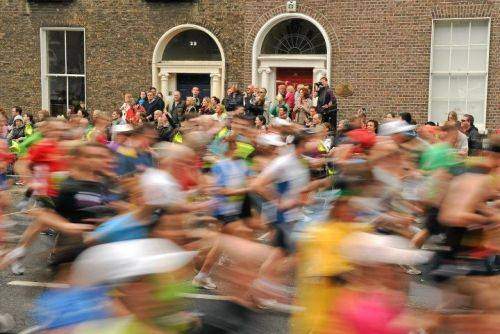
x: 458, y: 87
x: 76, y: 90
x: 74, y: 51
x: 440, y: 86
x: 441, y: 58
x: 55, y: 49
x: 439, y: 110
x: 477, y: 58
x: 459, y: 58
x: 57, y: 91
x: 442, y: 33
x: 479, y: 32
x: 294, y: 36
x: 476, y: 109
x: 458, y: 106
x: 460, y: 33
x: 477, y: 87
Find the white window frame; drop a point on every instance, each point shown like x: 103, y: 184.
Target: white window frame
x: 480, y: 126
x: 45, y: 61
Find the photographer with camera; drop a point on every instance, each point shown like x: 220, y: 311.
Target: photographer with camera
x: 327, y: 103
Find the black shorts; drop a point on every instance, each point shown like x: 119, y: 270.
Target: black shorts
x: 45, y: 202
x: 431, y: 221
x: 246, y: 212
x: 283, y: 237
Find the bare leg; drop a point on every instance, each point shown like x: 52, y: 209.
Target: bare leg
x: 211, y: 258
x: 418, y: 239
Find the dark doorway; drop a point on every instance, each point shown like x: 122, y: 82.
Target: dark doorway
x: 186, y: 81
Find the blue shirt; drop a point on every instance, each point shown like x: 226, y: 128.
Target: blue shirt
x: 230, y: 174
x: 121, y: 228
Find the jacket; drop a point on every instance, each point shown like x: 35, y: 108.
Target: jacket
x: 16, y: 133
x: 176, y: 109
x: 232, y: 101
x: 165, y: 133
x: 156, y: 104
x: 474, y: 138
x: 302, y: 110
x: 197, y: 103
x: 325, y: 96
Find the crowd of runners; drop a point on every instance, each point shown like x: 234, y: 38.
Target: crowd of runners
x: 271, y: 206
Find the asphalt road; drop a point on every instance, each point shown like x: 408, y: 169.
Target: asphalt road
x: 18, y: 300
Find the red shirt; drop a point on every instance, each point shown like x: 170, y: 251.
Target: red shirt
x: 290, y: 99
x: 47, y: 154
x: 132, y: 114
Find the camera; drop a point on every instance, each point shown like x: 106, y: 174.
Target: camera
x: 318, y: 86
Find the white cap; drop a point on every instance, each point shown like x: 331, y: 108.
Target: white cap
x: 127, y: 259
x: 120, y: 128
x: 369, y: 248
x: 160, y: 188
x: 18, y: 117
x: 394, y: 127
x: 270, y: 139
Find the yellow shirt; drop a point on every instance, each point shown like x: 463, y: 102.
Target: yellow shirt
x: 320, y: 259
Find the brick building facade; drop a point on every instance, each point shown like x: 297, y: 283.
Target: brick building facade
x: 383, y: 48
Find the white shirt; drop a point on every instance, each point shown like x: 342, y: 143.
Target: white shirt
x: 462, y: 144
x: 290, y: 176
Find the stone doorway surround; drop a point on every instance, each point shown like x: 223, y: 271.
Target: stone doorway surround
x: 264, y: 65
x: 164, y: 72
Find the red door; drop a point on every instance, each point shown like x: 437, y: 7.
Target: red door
x: 294, y: 76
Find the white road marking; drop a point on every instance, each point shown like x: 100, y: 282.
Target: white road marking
x: 205, y: 296
x: 40, y: 284
x: 65, y: 286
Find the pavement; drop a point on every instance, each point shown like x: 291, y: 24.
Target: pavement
x: 17, y: 293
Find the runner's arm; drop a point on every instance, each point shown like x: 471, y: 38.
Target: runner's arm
x: 51, y: 219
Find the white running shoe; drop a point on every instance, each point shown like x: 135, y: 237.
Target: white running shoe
x: 17, y: 268
x: 273, y: 305
x: 204, y: 281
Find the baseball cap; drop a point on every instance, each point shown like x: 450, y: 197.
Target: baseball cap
x: 122, y: 128
x: 121, y: 260
x: 270, y: 139
x: 395, y: 127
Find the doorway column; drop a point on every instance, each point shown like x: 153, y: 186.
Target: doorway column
x: 215, y: 85
x: 164, y: 83
x: 265, y: 72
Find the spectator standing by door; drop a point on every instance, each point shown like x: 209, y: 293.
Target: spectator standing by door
x: 290, y: 97
x: 233, y: 99
x: 327, y: 103
x: 301, y: 109
x: 153, y: 103
x: 196, y: 94
x: 177, y: 106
